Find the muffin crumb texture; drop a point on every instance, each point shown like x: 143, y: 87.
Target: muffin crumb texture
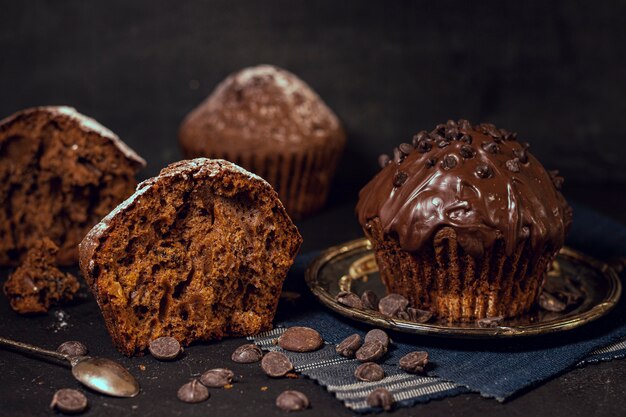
x: 37, y: 284
x: 197, y: 253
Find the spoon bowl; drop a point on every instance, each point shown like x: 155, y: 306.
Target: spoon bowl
x: 104, y: 376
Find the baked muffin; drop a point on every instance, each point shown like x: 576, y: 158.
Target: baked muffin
x: 60, y: 173
x: 197, y: 253
x: 464, y: 221
x: 37, y: 284
x: 270, y: 122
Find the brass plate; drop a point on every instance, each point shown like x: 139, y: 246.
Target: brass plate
x: 351, y: 266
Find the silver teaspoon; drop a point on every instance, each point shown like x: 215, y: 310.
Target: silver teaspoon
x: 99, y: 374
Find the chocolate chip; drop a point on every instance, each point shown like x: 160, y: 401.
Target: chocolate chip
x: 557, y: 180
x: 443, y: 143
x: 491, y: 130
x: 448, y: 162
x: 371, y: 351
x: 467, y: 151
x: 247, y: 354
x: 491, y: 147
x: 391, y: 304
x: 379, y: 335
x: 349, y: 346
x: 439, y: 129
x: 549, y: 302
x: 383, y: 160
x: 414, y: 362
x: 380, y: 398
x: 193, y: 392
x: 349, y: 299
x: 217, y: 378
x: 512, y: 165
x: 464, y: 124
x: 403, y: 315
x: 369, y: 300
x: 72, y: 348
x: 369, y: 372
x: 300, y: 339
x: 276, y: 364
x: 525, y: 232
x: 398, y: 156
x: 292, y: 401
x: 164, y: 348
x: 521, y: 155
x: 451, y: 133
x: 406, y: 148
x: 419, y: 137
x: 430, y: 162
x: 466, y: 138
x: 400, y: 178
x: 510, y: 136
x: 419, y: 316
x: 483, y: 171
x: 451, y: 123
x: 489, y: 322
x: 69, y: 401
x: 423, y: 146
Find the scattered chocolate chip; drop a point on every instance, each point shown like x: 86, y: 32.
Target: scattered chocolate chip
x: 292, y: 401
x: 489, y: 322
x: 419, y: 316
x: 550, y: 303
x: 349, y: 299
x: 72, y: 348
x: 193, y: 392
x: 398, y: 156
x: 217, y: 378
x: 483, y: 171
x: 491, y: 147
x: 448, y: 162
x: 380, y: 398
x: 369, y: 372
x: 391, y: 304
x: 377, y: 334
x: 414, y: 362
x: 349, y: 346
x: 164, y: 348
x: 300, y: 339
x: 557, y: 180
x: 406, y: 148
x: 420, y: 136
x: 512, y: 165
x: 467, y: 151
x: 371, y: 351
x: 247, y: 354
x: 276, y: 364
x: 69, y: 401
x: 383, y: 160
x: 369, y: 300
x: 466, y: 138
x: 400, y: 178
x: 423, y: 146
x: 430, y: 162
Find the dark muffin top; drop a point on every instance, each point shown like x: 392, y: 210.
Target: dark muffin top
x: 257, y: 109
x: 479, y: 180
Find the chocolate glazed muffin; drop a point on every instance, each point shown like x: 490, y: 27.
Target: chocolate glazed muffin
x: 270, y: 122
x: 464, y: 221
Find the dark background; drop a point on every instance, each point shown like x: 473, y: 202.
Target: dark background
x: 553, y: 71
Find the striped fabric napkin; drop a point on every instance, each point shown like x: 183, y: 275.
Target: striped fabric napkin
x: 496, y: 368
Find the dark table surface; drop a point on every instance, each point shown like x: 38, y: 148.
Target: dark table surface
x: 27, y: 385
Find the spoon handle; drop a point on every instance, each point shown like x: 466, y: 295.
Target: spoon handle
x: 33, y: 349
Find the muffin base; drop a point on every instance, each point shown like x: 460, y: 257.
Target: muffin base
x: 456, y: 286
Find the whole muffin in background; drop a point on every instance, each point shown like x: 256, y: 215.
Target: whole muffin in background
x: 270, y: 122
x: 464, y: 221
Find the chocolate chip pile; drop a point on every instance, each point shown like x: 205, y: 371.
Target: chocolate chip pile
x: 391, y: 306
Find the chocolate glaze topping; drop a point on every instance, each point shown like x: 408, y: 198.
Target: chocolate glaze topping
x: 476, y: 179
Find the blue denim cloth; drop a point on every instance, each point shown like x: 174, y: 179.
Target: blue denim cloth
x: 498, y: 368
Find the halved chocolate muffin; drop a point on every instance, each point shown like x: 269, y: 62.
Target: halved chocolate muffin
x: 197, y: 253
x: 464, y: 221
x: 273, y: 124
x: 60, y: 173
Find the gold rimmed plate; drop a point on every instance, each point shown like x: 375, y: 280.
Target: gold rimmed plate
x: 352, y: 267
